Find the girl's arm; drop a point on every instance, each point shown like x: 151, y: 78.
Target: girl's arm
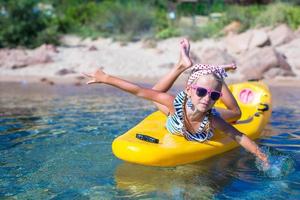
x: 239, y: 137
x: 160, y: 97
x: 232, y: 112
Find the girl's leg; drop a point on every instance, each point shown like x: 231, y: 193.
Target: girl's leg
x: 168, y: 80
x: 164, y: 84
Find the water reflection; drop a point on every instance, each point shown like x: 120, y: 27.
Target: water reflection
x: 180, y: 182
x: 202, y: 180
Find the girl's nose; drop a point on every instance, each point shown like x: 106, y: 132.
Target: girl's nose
x: 207, y: 97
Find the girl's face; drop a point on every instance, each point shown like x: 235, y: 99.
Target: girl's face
x: 209, y: 82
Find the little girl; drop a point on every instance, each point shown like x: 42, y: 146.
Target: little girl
x: 231, y: 113
x: 190, y: 113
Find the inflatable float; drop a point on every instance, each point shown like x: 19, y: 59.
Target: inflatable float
x: 149, y: 143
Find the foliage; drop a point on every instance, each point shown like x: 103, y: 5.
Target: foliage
x: 244, y: 14
x: 131, y: 19
x: 167, y: 33
x: 279, y: 13
x: 109, y: 18
x: 202, y: 8
x: 212, y: 29
x: 31, y: 23
x: 24, y: 24
x: 75, y: 17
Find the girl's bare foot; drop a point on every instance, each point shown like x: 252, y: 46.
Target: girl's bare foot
x: 185, y: 61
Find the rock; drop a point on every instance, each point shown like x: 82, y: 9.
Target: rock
x: 282, y: 62
x: 245, y: 41
x: 80, y: 77
x: 77, y: 83
x: 274, y: 72
x: 71, y: 40
x: 19, y: 58
x: 13, y: 58
x: 150, y: 43
x: 259, y: 39
x: 43, y: 79
x: 18, y: 66
x: 233, y: 27
x: 47, y: 81
x: 50, y: 48
x: 64, y: 71
x: 281, y: 35
x: 42, y: 54
x: 160, y: 51
x: 51, y: 82
x: 292, y: 54
x: 211, y: 55
x: 194, y: 57
x: 93, y: 48
x: 237, y: 43
x: 256, y: 62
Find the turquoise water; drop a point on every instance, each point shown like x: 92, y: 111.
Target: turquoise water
x: 55, y: 143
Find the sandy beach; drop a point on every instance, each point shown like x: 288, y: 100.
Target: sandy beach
x: 141, y: 62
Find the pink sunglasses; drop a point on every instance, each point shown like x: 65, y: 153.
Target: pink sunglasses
x: 202, y: 92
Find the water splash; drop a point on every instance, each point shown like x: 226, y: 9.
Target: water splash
x: 280, y: 164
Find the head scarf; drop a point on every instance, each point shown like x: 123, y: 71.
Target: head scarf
x: 205, y: 69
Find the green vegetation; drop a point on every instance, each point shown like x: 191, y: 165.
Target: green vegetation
x: 279, y: 13
x: 253, y: 16
x: 31, y: 23
x: 22, y: 24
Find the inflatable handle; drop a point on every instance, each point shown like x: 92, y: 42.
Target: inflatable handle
x: 147, y: 138
x: 265, y: 107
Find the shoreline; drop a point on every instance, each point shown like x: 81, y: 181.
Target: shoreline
x: 79, y: 80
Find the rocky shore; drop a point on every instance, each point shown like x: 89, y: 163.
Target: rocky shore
x: 271, y: 54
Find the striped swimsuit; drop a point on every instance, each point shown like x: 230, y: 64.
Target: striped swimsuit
x: 175, y: 123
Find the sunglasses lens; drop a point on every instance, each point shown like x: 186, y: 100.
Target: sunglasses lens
x: 201, y: 92
x: 215, y: 95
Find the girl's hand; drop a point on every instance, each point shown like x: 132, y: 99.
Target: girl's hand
x: 229, y: 67
x: 97, y: 77
x: 264, y: 160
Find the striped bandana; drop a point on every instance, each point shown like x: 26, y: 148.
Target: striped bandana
x: 205, y: 69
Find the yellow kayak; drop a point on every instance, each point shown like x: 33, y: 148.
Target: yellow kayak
x: 149, y: 142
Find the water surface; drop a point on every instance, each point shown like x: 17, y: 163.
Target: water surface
x: 55, y: 143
